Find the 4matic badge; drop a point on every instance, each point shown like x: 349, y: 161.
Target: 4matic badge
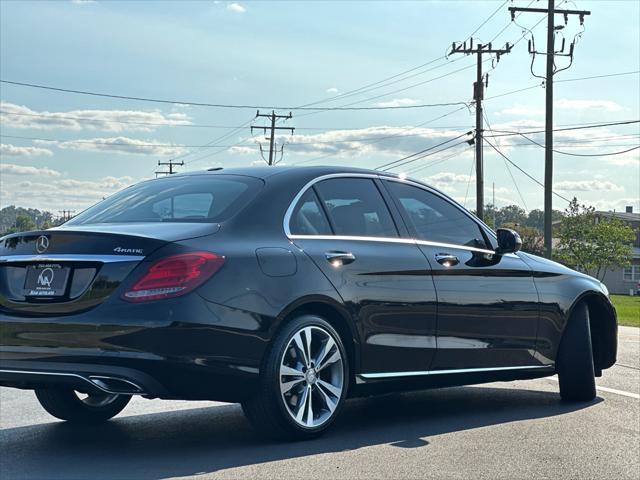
x: 128, y: 250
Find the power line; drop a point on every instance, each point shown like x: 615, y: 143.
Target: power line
x: 508, y: 133
x: 425, y: 155
x: 504, y: 133
x: 620, y: 74
x: 223, y: 105
x: 581, y: 154
x: 383, y: 83
x: 390, y: 136
x: 487, y: 20
x: 515, y: 184
x: 523, y: 171
x: 387, y: 165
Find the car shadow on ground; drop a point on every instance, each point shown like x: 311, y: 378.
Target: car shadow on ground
x: 207, y: 440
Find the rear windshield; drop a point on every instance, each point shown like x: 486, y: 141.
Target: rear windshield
x: 204, y: 198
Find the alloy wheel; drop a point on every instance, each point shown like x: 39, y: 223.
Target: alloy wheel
x: 311, y: 376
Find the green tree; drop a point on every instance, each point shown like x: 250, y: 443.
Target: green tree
x: 590, y: 246
x: 22, y: 224
x: 532, y: 238
x: 511, y: 214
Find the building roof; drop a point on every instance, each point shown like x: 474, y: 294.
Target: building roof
x: 624, y: 216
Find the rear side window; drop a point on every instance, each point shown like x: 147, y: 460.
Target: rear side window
x: 436, y: 219
x: 356, y: 208
x: 198, y: 198
x: 308, y: 218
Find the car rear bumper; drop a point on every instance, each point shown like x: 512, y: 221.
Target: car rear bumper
x: 82, y: 377
x: 183, y: 348
x: 175, y: 381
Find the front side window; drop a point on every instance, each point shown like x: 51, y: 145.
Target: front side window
x: 356, y: 208
x: 197, y: 198
x: 435, y: 219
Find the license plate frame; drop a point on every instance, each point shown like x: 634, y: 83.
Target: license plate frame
x: 46, y: 280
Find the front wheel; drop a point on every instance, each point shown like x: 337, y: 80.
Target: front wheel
x: 81, y: 408
x: 574, y: 362
x: 303, y: 381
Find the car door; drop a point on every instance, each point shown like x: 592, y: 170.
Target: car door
x: 487, y: 303
x: 345, y: 225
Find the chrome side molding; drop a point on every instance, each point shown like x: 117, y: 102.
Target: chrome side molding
x: 371, y: 376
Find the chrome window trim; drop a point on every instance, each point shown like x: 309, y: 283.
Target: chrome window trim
x: 444, y: 372
x: 71, y: 258
x: 411, y: 241
x: 294, y: 202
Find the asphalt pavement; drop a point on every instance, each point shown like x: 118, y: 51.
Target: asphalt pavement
x: 501, y: 430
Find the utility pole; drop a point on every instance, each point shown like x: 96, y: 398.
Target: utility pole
x: 551, y: 53
x: 478, y: 95
x: 170, y: 164
x: 494, y: 206
x: 274, y: 118
x: 66, y: 215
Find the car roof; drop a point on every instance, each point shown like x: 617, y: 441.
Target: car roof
x: 264, y: 171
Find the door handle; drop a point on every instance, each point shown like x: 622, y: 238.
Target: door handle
x: 339, y: 258
x: 447, y: 259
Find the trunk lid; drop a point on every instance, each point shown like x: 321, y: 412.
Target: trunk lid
x: 67, y: 270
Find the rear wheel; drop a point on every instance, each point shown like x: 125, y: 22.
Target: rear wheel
x: 303, y: 381
x: 574, y: 362
x: 80, y: 407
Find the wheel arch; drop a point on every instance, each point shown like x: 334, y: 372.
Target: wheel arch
x: 334, y: 313
x: 603, y: 325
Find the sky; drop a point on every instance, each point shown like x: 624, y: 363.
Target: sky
x: 62, y: 150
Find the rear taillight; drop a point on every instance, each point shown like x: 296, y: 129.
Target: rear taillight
x: 174, y: 276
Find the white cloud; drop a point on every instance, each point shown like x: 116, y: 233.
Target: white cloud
x: 11, y: 169
x: 625, y: 159
x: 61, y: 193
x: 587, y: 186
x: 123, y: 145
x: 448, y: 181
x: 332, y: 90
x: 398, y: 102
x: 359, y: 142
x: 606, y: 105
x: 236, y: 8
x: 20, y: 116
x: 83, y: 2
x: 14, y: 151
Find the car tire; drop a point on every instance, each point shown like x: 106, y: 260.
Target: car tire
x: 303, y: 405
x: 74, y: 407
x: 574, y: 363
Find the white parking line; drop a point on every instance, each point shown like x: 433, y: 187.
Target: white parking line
x: 606, y: 389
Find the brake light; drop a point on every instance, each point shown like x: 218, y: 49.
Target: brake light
x: 174, y: 276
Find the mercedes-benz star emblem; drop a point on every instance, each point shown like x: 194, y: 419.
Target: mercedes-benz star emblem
x: 42, y: 244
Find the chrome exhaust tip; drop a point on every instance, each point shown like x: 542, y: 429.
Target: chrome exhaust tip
x: 115, y: 385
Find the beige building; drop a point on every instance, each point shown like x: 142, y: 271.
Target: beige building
x: 622, y: 280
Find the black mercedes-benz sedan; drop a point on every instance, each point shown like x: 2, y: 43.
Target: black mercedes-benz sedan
x: 287, y: 290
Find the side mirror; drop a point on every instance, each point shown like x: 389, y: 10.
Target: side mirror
x: 508, y: 241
